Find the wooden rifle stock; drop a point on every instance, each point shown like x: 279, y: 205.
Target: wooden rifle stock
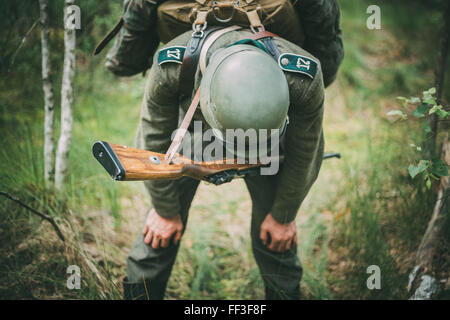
x: 130, y: 164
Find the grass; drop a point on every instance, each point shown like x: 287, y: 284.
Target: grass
x: 363, y: 210
x: 89, y: 201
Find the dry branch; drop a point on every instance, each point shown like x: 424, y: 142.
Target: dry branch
x: 22, y: 42
x: 40, y: 214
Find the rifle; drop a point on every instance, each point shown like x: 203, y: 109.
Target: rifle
x: 131, y: 164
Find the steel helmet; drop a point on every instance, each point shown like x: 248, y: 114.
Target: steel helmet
x: 243, y: 88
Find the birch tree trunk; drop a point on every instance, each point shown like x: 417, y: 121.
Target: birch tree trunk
x: 49, y: 102
x: 65, y: 139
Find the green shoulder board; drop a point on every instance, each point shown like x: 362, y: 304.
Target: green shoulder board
x: 171, y: 54
x: 297, y: 63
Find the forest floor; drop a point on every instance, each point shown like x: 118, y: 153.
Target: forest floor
x: 363, y: 209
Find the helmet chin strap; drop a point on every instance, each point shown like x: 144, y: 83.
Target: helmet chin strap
x: 209, y: 42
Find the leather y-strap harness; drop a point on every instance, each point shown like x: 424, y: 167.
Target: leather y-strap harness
x: 190, y: 59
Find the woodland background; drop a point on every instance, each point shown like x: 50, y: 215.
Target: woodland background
x: 364, y: 209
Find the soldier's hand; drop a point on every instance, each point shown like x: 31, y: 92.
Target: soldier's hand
x: 282, y: 236
x: 158, y: 230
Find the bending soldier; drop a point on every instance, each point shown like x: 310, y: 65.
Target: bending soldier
x: 246, y: 83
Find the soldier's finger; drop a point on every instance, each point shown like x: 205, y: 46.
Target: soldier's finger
x: 148, y: 237
x: 289, y: 244
x: 263, y: 236
x: 155, y: 242
x: 285, y: 245
x: 273, y: 245
x: 281, y: 246
x: 144, y: 231
x: 165, y: 242
x: 177, y: 237
x: 292, y: 243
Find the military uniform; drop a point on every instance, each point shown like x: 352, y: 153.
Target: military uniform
x: 149, y: 269
x: 138, y: 38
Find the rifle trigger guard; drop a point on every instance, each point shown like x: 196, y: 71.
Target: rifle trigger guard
x: 221, y: 177
x: 228, y: 175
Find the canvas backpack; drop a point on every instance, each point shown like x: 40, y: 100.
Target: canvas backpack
x: 145, y: 23
x: 277, y: 16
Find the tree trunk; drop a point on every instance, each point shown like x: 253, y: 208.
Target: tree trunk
x: 62, y: 155
x: 421, y: 279
x: 49, y: 102
x: 439, y: 73
x: 430, y: 240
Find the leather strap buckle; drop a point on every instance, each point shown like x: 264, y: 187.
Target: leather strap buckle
x: 199, y: 29
x: 218, y: 6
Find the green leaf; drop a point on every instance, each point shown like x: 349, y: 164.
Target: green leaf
x: 439, y: 110
x: 439, y: 168
x: 430, y: 101
x: 399, y: 113
x: 434, y: 176
x: 403, y: 100
x: 429, y: 92
x: 415, y: 170
x: 421, y: 110
x: 427, y: 128
x: 442, y: 113
x: 414, y: 100
x: 434, y: 109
